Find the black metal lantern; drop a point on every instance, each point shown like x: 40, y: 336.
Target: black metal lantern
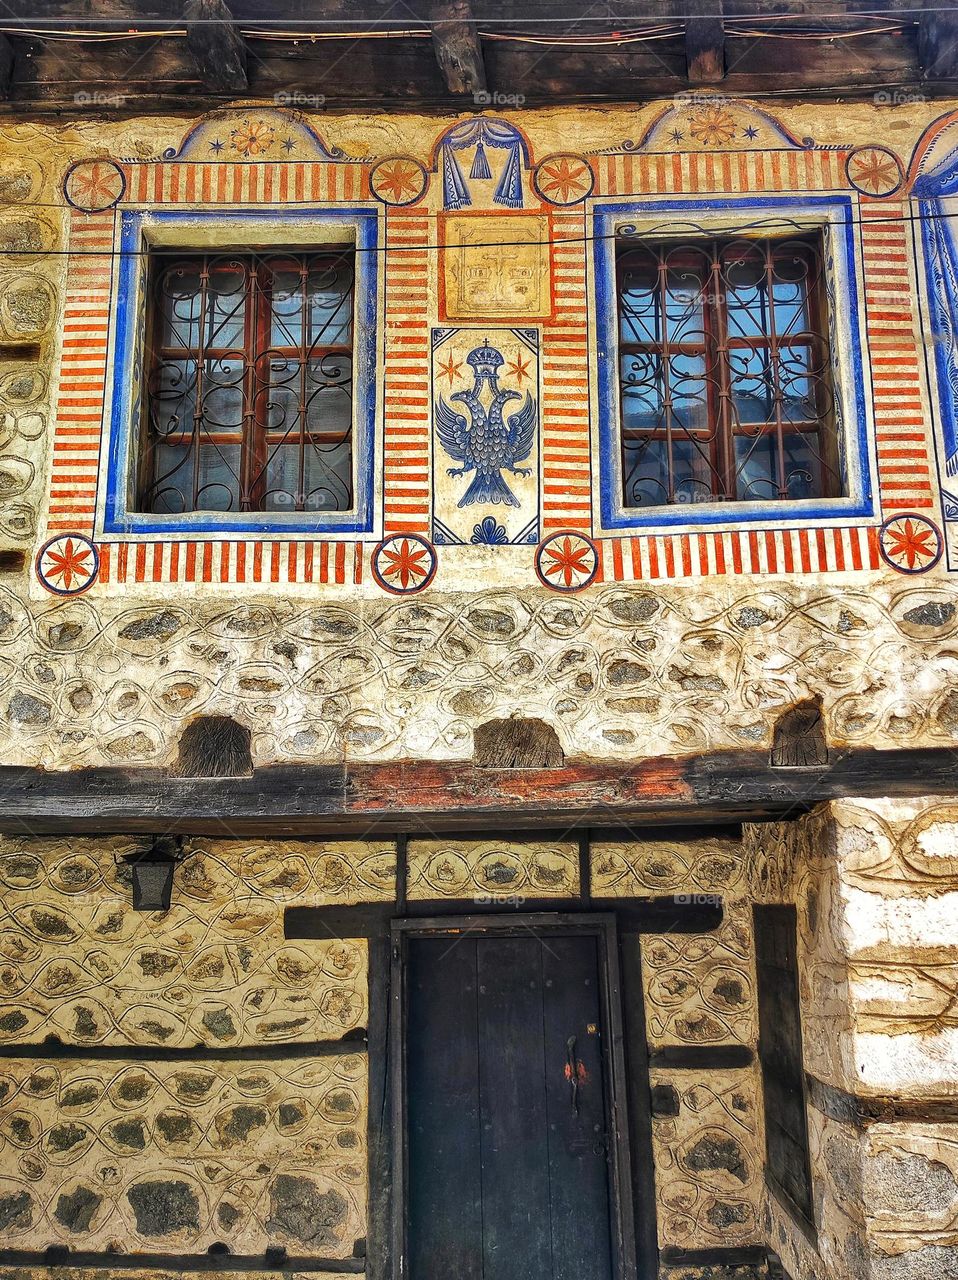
x: 153, y: 875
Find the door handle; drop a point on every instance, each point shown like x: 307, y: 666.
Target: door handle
x: 572, y: 1072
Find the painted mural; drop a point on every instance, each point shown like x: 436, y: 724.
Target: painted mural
x: 486, y: 232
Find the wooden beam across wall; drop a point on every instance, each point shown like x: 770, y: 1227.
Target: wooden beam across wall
x: 216, y: 46
x: 432, y: 796
x: 455, y: 39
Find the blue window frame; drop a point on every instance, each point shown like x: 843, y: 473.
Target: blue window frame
x: 936, y: 192
x: 140, y: 229
x: 660, y: 220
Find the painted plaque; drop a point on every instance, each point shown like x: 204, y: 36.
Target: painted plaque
x: 496, y: 266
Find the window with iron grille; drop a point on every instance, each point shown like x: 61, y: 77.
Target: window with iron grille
x: 249, y: 394
x: 725, y: 384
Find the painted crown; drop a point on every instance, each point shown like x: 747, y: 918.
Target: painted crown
x: 484, y: 358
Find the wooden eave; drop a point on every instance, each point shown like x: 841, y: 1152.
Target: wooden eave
x: 440, y: 53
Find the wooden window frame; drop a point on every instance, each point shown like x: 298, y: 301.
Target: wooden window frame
x: 600, y: 925
x: 716, y: 440
x: 255, y: 435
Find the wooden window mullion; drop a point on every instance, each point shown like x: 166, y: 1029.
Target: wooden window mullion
x: 720, y: 398
x: 255, y: 448
x: 666, y: 369
x: 775, y: 371
x: 200, y: 378
x: 304, y: 353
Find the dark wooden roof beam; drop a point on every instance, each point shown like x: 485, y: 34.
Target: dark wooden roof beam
x: 455, y: 40
x: 705, y: 44
x: 216, y: 45
x: 6, y: 66
x: 938, y: 44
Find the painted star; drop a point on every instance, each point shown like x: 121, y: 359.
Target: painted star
x: 518, y: 369
x: 69, y: 565
x: 217, y: 146
x: 405, y: 565
x: 98, y: 185
x: 564, y: 179
x: 450, y: 369
x: 876, y: 171
x: 569, y: 561
x: 288, y: 145
x: 910, y: 543
x: 750, y: 131
x: 400, y: 180
x: 676, y: 135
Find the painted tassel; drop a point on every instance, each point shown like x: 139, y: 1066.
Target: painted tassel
x: 480, y: 165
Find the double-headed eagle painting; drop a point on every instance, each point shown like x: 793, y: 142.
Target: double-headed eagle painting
x: 491, y: 440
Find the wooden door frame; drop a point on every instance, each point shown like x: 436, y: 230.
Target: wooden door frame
x: 601, y: 925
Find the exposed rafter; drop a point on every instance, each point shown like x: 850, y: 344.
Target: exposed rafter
x: 216, y: 45
x: 938, y: 44
x: 705, y: 44
x: 6, y: 66
x: 455, y: 39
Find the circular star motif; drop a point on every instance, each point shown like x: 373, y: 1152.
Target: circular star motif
x: 404, y: 563
x: 874, y: 171
x: 910, y: 543
x: 68, y: 564
x: 398, y: 180
x: 567, y: 561
x: 94, y: 185
x: 563, y: 179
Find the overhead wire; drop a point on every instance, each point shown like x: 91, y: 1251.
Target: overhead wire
x: 670, y: 227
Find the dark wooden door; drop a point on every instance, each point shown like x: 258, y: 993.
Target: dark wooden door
x: 508, y: 1147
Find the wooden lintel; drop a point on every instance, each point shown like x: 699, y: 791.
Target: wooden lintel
x: 705, y: 44
x: 412, y: 796
x: 371, y: 920
x: 455, y: 39
x: 216, y: 45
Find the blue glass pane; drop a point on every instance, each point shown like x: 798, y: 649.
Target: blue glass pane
x: 218, y: 466
x: 643, y: 391
x: 226, y: 294
x: 647, y: 473
x: 756, y: 462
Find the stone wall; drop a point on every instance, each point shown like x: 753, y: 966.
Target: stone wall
x: 137, y: 1149
x: 188, y: 1108
x: 876, y: 890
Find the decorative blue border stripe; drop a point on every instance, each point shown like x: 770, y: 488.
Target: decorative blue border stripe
x: 613, y: 514
x: 118, y: 519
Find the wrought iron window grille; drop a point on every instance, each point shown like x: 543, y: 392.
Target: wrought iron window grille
x: 249, y: 395
x: 725, y: 375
